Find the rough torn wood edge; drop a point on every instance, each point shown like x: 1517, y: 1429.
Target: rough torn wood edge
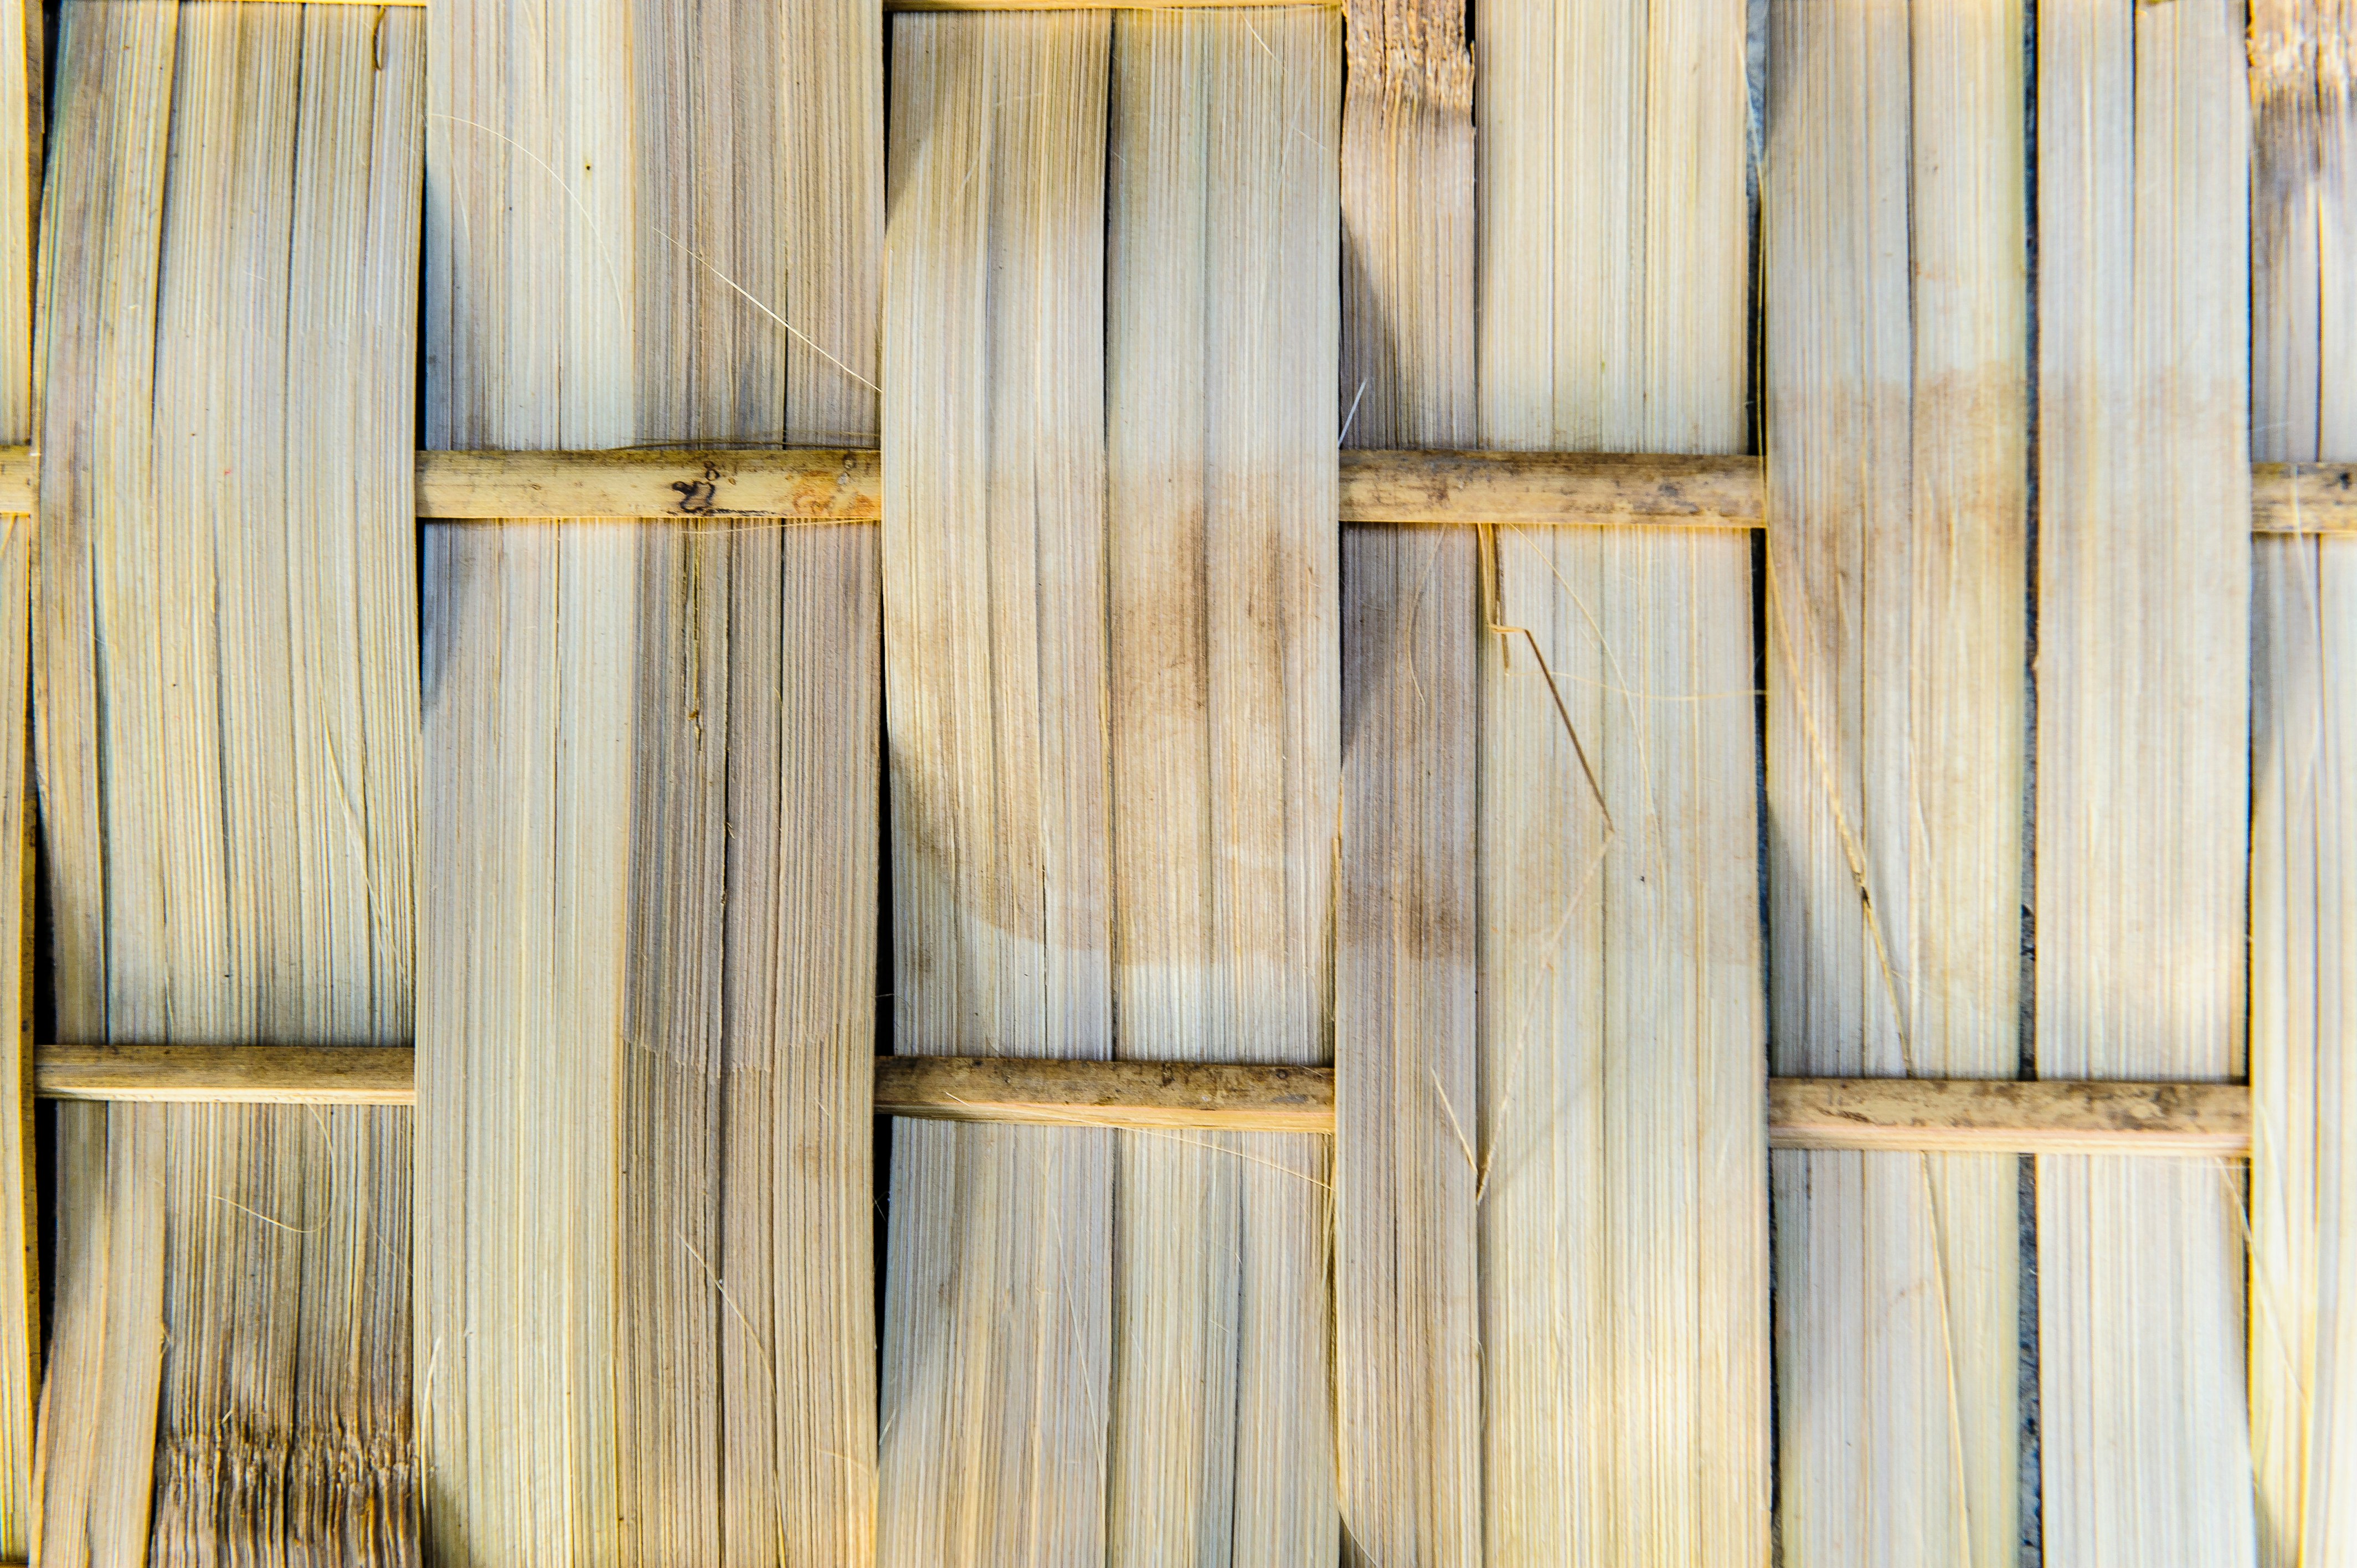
x: 2051, y: 1116
x: 1535, y: 489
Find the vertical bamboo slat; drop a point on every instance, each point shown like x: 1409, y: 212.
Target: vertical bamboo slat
x: 228, y: 766
x: 2303, y: 1312
x: 1897, y: 550
x: 647, y: 1019
x: 2143, y: 591
x: 1620, y: 1136
x: 998, y: 1293
x: 1406, y: 1260
x: 22, y: 72
x: 1221, y: 323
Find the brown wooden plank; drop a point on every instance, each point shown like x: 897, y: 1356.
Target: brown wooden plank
x: 2049, y: 1117
x: 238, y: 1075
x: 2304, y: 498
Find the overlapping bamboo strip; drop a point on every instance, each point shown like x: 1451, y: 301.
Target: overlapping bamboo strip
x: 1894, y: 208
x: 1407, y: 1283
x: 22, y: 81
x: 645, y: 1029
x: 228, y: 767
x: 1222, y: 326
x: 998, y: 1293
x: 2303, y: 1312
x: 2142, y: 730
x: 1619, y: 1143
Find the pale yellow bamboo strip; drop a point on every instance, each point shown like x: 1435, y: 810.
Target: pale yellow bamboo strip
x: 2142, y: 763
x: 998, y: 1334
x: 1899, y: 465
x: 1406, y: 1282
x: 2303, y: 1313
x: 1620, y: 1140
x: 227, y: 686
x: 23, y: 69
x: 227, y: 1075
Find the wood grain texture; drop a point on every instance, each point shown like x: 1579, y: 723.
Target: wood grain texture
x: 23, y: 85
x: 1234, y: 1097
x: 2142, y: 737
x: 2303, y: 1314
x: 1406, y: 1281
x: 1897, y: 366
x: 1620, y: 1136
x: 2003, y: 1116
x: 801, y: 485
x: 228, y: 1075
x: 998, y: 1293
x: 228, y: 757
x: 645, y: 1035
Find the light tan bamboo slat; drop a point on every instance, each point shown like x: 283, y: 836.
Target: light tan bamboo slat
x: 2142, y: 763
x: 645, y: 1233
x: 2303, y: 1311
x: 1213, y: 1096
x: 1407, y: 1283
x: 1897, y: 357
x: 2006, y: 1116
x: 1618, y: 1143
x: 23, y: 69
x: 998, y: 1289
x: 228, y: 748
x: 801, y: 484
x: 228, y: 1075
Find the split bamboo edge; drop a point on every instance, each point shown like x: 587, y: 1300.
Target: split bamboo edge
x: 820, y: 485
x: 2051, y: 1117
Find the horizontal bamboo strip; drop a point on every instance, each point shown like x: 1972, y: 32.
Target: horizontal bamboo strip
x: 1534, y: 490
x: 2048, y: 1116
x: 1097, y: 5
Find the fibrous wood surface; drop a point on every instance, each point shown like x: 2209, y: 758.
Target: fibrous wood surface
x: 22, y: 71
x: 1898, y: 665
x: 1619, y: 1141
x: 2142, y: 595
x: 645, y: 1028
x: 227, y: 753
x: 2303, y: 1310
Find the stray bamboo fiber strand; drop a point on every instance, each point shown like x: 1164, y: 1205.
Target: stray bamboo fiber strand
x: 1225, y: 672
x: 228, y: 256
x: 2142, y: 755
x: 998, y: 1293
x: 22, y: 72
x: 1623, y: 1203
x: 645, y: 1282
x: 1897, y: 465
x: 1405, y: 1290
x: 2303, y: 1311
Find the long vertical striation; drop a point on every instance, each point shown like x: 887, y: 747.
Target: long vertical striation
x: 1408, y: 1343
x: 2303, y: 1312
x: 998, y: 1300
x: 1897, y: 436
x: 645, y: 1282
x: 2144, y: 575
x: 227, y: 755
x: 1623, y: 1202
x: 1225, y: 704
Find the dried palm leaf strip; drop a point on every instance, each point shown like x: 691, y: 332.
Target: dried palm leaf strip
x: 1619, y: 1141
x: 2142, y: 736
x: 228, y: 756
x: 1406, y: 1284
x: 645, y: 1288
x: 2303, y: 1330
x: 1898, y: 560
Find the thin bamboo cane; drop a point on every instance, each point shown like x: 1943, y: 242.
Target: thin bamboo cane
x: 2142, y: 788
x: 228, y: 745
x: 645, y: 1027
x: 1406, y: 1282
x: 2303, y: 1316
x: 1620, y: 1136
x: 22, y: 84
x: 1898, y: 558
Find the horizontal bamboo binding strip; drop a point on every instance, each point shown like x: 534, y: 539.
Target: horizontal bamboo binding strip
x: 1870, y: 1113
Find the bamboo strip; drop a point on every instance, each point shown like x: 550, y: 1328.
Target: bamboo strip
x: 2142, y: 755
x: 23, y: 72
x: 1618, y: 1143
x: 1897, y: 460
x: 1406, y: 1288
x: 2001, y: 1116
x: 2303, y: 1319
x: 644, y: 1240
x: 227, y: 754
x: 1259, y: 1098
x: 228, y: 1075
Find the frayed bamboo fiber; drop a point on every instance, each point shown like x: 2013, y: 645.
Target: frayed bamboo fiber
x: 1623, y: 1201
x: 2143, y: 584
x: 1406, y: 1288
x: 2303, y: 1311
x: 645, y: 1031
x: 228, y: 767
x: 22, y: 81
x: 1897, y: 557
